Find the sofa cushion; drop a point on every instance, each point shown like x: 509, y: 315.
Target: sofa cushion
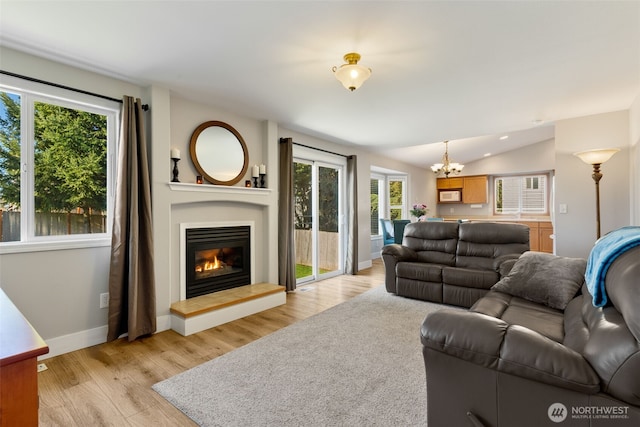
x: 544, y: 278
x: 470, y: 278
x: 546, y: 321
x: 419, y: 271
x: 481, y: 243
x: 434, y: 242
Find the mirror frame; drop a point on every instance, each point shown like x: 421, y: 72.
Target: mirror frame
x: 196, y: 163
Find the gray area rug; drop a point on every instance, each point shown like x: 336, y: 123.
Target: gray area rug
x: 356, y: 364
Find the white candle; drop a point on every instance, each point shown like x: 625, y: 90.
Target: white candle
x: 255, y: 171
x: 263, y: 169
x: 175, y: 153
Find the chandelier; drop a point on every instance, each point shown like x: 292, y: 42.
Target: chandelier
x: 352, y: 75
x: 447, y: 167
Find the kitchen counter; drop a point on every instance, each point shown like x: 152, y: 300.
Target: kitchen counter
x: 501, y: 218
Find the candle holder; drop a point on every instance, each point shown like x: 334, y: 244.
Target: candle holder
x: 255, y: 181
x: 199, y: 179
x: 175, y: 170
x: 262, y: 183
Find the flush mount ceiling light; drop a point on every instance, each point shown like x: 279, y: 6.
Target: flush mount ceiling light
x: 351, y: 75
x: 447, y: 167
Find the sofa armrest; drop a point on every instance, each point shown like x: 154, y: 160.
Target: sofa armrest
x: 399, y: 252
x: 516, y: 350
x: 391, y: 255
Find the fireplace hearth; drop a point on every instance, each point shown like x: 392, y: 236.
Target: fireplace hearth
x: 217, y: 258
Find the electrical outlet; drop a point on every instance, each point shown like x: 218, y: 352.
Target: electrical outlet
x: 104, y: 300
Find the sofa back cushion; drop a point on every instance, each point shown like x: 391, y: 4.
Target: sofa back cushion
x: 434, y: 242
x: 480, y: 243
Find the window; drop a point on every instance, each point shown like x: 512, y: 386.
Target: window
x: 397, y: 197
x: 388, y: 199
x: 56, y: 179
x: 521, y: 194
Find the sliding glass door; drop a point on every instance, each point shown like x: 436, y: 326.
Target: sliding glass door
x: 319, y: 236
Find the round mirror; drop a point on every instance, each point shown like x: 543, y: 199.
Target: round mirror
x: 219, y: 153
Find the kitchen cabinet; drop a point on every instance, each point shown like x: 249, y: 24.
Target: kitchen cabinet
x: 545, y: 239
x: 474, y: 189
x: 449, y: 183
x: 540, y: 239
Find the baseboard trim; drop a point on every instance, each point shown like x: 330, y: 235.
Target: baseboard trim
x: 364, y: 265
x: 90, y: 337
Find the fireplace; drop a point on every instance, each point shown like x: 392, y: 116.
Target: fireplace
x: 216, y: 258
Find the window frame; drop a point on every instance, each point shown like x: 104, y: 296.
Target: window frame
x: 524, y: 182
x: 30, y: 93
x: 384, y: 204
x: 381, y: 200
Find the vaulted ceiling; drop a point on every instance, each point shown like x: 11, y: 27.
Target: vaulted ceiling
x: 468, y: 71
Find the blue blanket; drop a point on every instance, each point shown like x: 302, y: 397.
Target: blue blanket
x: 605, y: 251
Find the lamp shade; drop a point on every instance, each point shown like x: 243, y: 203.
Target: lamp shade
x: 352, y: 75
x: 596, y: 157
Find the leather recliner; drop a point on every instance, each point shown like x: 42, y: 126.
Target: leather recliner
x: 512, y: 362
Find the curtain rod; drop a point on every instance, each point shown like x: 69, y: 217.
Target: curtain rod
x: 321, y: 149
x: 145, y: 107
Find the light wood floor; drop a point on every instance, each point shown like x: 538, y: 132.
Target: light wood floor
x: 110, y: 384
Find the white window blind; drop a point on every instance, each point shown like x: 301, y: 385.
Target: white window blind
x: 521, y: 194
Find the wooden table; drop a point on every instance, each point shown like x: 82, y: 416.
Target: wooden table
x: 20, y: 346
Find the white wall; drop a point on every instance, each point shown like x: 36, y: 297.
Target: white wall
x: 576, y: 230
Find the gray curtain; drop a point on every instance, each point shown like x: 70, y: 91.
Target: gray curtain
x: 286, y: 249
x: 351, y: 264
x: 132, y: 302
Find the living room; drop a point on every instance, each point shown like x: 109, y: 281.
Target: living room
x: 60, y: 296
x: 80, y: 274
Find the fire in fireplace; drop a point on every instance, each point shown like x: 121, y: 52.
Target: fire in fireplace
x: 217, y: 258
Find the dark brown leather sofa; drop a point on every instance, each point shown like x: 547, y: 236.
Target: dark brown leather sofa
x: 452, y: 263
x: 509, y: 361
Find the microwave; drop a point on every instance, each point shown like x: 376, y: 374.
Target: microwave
x: 449, y: 196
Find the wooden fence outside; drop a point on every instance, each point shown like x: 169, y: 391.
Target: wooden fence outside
x: 49, y: 224
x: 328, y: 247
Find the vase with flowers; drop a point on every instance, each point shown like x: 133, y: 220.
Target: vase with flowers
x: 419, y: 210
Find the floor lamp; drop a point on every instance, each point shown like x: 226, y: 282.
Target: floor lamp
x: 596, y: 158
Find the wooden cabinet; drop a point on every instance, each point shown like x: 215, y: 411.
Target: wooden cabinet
x: 540, y: 239
x: 545, y: 239
x: 449, y: 183
x: 20, y: 347
x: 534, y: 236
x: 474, y: 189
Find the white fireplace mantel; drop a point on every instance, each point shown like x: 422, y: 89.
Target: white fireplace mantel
x: 190, y: 193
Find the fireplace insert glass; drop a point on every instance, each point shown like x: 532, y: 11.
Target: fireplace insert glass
x: 217, y: 258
